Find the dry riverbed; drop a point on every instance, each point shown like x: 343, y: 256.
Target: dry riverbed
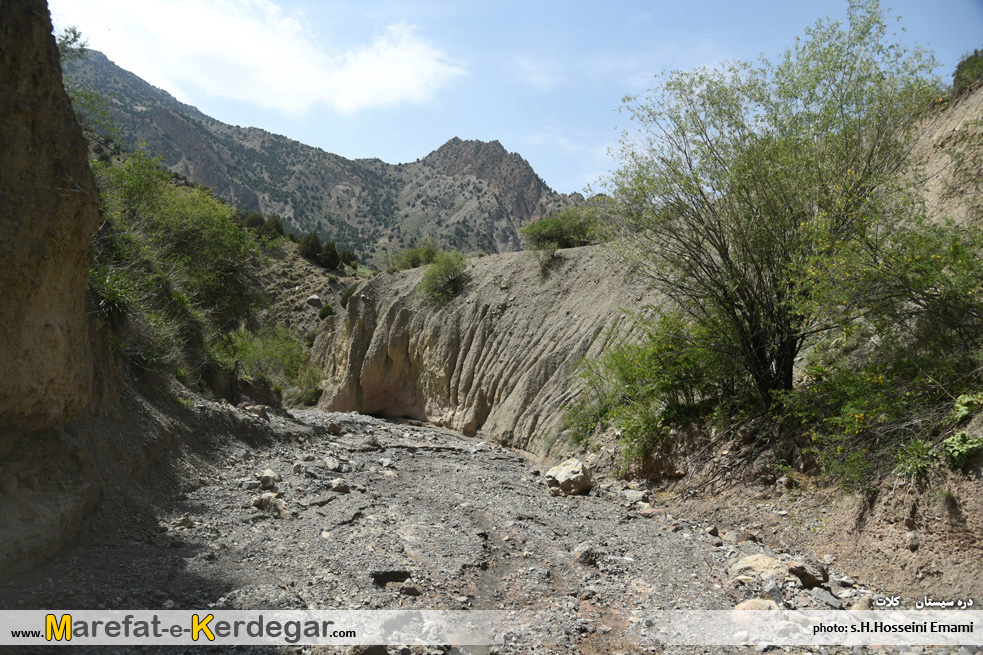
x: 371, y: 514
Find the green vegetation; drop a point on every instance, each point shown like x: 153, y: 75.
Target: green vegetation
x: 171, y: 271
x: 347, y: 293
x: 325, y: 312
x: 568, y: 228
x: 968, y: 73
x: 914, y: 459
x: 276, y: 355
x: 959, y: 448
x: 325, y: 255
x: 414, y: 257
x: 90, y: 107
x: 271, y: 230
x: 742, y: 198
x: 736, y: 177
x: 445, y: 277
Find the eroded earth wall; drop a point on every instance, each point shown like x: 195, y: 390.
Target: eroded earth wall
x: 48, y: 211
x: 499, y: 361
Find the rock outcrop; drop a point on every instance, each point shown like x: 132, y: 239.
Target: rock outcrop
x: 48, y: 211
x: 500, y: 360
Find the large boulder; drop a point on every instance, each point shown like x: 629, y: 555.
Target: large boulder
x: 48, y: 211
x: 569, y: 478
x: 759, y: 565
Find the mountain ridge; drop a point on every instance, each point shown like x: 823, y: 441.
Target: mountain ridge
x: 467, y: 194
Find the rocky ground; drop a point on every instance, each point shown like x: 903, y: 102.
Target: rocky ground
x: 370, y: 514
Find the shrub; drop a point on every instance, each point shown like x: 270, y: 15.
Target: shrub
x: 272, y: 353
x: 347, y: 293
x: 726, y: 170
x: 548, y: 257
x: 271, y: 229
x: 309, y: 397
x: 959, y: 448
x: 914, y: 459
x: 668, y: 375
x: 309, y: 247
x: 420, y: 255
x: 325, y: 312
x: 348, y: 258
x: 444, y: 278
x: 567, y: 228
x: 113, y: 295
x: 968, y: 73
x: 253, y: 220
x: 171, y: 269
x: 328, y: 257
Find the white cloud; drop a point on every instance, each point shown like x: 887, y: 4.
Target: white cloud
x: 254, y: 51
x: 541, y: 74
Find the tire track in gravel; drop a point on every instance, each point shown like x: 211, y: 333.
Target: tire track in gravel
x: 470, y: 524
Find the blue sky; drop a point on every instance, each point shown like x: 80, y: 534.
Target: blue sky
x: 395, y: 80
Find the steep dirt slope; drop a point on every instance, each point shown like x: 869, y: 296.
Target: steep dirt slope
x: 499, y: 361
x: 48, y: 210
x: 951, y: 147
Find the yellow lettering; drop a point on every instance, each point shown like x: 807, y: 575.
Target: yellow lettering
x: 198, y: 626
x: 58, y: 630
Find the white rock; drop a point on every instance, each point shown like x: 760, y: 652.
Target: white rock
x: 569, y: 478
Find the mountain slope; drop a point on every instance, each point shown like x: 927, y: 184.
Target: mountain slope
x: 470, y: 195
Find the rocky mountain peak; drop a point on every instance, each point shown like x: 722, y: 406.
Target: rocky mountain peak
x: 477, y: 158
x: 367, y: 205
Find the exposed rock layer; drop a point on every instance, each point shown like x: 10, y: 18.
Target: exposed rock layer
x: 499, y: 361
x: 48, y: 210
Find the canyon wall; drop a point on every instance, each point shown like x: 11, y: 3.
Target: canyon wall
x: 48, y: 210
x: 500, y: 361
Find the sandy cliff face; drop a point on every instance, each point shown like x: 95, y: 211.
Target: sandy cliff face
x: 48, y: 210
x: 499, y: 361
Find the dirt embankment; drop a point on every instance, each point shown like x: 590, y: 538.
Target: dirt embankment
x: 499, y: 361
x: 48, y: 210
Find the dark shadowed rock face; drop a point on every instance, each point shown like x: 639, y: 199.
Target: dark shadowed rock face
x: 48, y: 211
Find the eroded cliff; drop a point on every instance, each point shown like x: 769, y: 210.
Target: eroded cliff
x: 499, y: 361
x: 48, y: 210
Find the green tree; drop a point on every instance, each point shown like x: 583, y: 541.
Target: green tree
x: 271, y: 229
x: 310, y: 246
x: 348, y: 258
x: 968, y: 73
x: 730, y: 170
x: 253, y: 220
x: 71, y: 44
x: 328, y: 257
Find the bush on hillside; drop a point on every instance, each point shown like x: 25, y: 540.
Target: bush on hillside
x: 328, y: 257
x: 348, y: 258
x: 253, y: 220
x: 171, y: 270
x: 444, y: 278
x: 818, y: 290
x: 309, y: 247
x: 347, y: 293
x: 271, y: 229
x: 968, y: 73
x: 568, y: 228
x: 416, y: 256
